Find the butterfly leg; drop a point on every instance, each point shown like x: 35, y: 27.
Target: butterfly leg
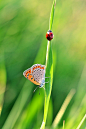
x: 43, y: 87
x: 35, y: 88
x: 47, y: 82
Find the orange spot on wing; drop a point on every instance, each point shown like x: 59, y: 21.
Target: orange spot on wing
x: 29, y: 71
x: 39, y: 67
x: 42, y: 67
x: 30, y: 77
x: 35, y: 82
x: 26, y: 74
x: 34, y: 68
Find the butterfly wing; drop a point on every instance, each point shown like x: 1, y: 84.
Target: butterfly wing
x: 28, y: 74
x: 38, y: 72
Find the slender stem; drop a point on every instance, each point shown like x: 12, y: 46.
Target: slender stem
x: 49, y: 70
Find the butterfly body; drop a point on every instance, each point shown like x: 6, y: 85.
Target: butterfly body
x: 36, y: 74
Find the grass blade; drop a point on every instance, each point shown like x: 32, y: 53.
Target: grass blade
x: 83, y: 119
x: 63, y: 108
x: 49, y: 70
x: 52, y: 14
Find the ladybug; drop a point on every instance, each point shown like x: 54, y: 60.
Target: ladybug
x: 49, y: 35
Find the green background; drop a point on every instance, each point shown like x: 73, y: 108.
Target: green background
x: 23, y: 26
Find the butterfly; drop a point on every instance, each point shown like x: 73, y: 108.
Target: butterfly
x: 36, y: 74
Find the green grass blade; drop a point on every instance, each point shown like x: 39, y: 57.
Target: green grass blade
x: 81, y: 122
x: 17, y: 108
x: 63, y: 108
x: 49, y: 71
x: 52, y: 15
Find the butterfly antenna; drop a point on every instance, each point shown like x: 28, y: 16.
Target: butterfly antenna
x: 36, y: 88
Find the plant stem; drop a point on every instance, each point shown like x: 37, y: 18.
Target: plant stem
x: 49, y: 70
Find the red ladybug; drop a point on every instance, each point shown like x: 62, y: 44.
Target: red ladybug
x: 49, y: 35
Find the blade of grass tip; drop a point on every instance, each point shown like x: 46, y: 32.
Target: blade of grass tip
x: 63, y: 123
x: 49, y: 70
x: 52, y: 14
x: 63, y: 108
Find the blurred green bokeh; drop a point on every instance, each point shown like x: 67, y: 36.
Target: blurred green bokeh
x: 23, y: 25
